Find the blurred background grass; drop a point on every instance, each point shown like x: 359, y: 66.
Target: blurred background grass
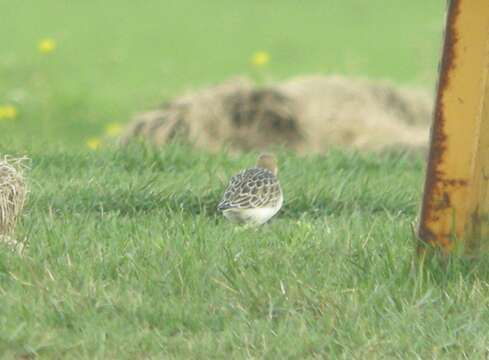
x: 114, y: 58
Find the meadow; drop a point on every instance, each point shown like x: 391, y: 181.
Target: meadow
x: 128, y: 257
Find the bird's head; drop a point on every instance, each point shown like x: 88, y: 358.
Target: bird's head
x: 269, y: 162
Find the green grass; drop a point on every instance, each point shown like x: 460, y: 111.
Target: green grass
x: 127, y: 255
x: 129, y: 259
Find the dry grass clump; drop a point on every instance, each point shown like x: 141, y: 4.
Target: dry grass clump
x: 306, y: 114
x: 359, y: 113
x: 13, y: 193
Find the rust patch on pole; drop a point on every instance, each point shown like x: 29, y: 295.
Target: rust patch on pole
x: 453, y: 185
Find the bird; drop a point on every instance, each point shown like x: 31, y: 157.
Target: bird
x: 254, y: 195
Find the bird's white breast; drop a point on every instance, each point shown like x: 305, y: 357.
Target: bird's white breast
x: 256, y: 216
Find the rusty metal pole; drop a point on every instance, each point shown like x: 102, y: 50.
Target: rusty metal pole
x: 455, y: 209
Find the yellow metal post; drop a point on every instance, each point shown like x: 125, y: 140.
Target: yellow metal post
x: 456, y: 195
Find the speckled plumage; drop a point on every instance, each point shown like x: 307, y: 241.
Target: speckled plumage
x: 252, y: 197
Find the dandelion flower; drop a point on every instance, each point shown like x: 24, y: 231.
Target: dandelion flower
x: 8, y: 112
x: 94, y: 143
x: 47, y: 46
x: 113, y: 129
x: 260, y: 59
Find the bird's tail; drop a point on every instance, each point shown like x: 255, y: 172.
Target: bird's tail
x: 224, y: 205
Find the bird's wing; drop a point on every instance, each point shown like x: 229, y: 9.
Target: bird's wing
x: 252, y: 188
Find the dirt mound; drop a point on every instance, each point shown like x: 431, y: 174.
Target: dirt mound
x: 307, y: 114
x: 12, y: 198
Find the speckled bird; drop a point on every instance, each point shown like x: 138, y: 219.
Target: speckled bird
x: 254, y: 195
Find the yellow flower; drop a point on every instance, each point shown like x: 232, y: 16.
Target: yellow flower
x: 8, y: 112
x: 113, y: 129
x: 47, y: 45
x: 260, y: 59
x: 94, y: 143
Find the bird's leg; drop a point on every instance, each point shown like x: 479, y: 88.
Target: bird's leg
x: 243, y: 227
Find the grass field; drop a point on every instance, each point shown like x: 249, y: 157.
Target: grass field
x: 127, y: 255
x: 128, y: 259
